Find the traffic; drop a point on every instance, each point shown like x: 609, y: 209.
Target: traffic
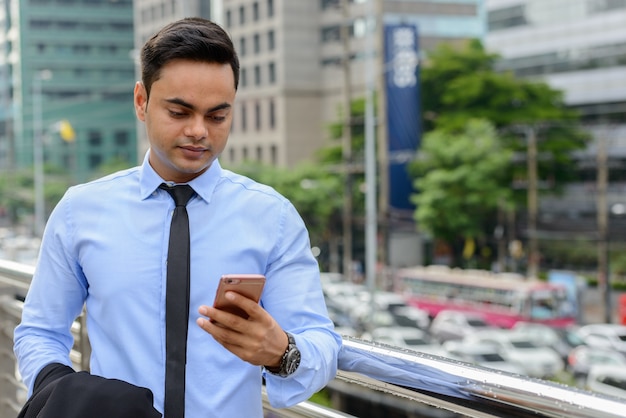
x: 502, y: 329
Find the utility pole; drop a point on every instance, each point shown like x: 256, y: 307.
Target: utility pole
x: 38, y: 158
x: 371, y: 245
x: 347, y: 140
x: 381, y: 133
x: 603, y: 226
x: 533, y: 252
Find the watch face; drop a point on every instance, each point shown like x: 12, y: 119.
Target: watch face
x: 293, y: 360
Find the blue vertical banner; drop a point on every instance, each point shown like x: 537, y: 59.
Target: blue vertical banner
x: 403, y: 109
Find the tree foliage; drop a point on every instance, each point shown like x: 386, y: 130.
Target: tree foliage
x: 17, y: 197
x: 459, y: 182
x: 459, y: 179
x: 460, y: 84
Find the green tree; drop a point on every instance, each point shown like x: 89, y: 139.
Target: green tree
x: 17, y: 192
x: 459, y: 84
x: 111, y: 166
x: 459, y: 183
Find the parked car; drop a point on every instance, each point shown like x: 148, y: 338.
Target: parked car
x: 393, y: 304
x: 608, y: 380
x: 561, y: 340
x: 541, y: 362
x: 456, y: 325
x: 411, y: 316
x: 485, y: 355
x: 583, y: 358
x: 612, y: 336
x: 405, y: 337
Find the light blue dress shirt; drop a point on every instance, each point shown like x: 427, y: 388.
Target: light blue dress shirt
x: 105, y: 245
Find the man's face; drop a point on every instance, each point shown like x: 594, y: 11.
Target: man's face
x: 188, y: 117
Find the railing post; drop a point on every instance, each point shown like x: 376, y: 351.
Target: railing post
x: 9, y: 387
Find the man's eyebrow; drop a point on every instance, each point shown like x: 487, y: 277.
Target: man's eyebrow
x: 181, y: 102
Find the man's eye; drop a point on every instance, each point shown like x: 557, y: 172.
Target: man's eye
x: 217, y: 118
x: 175, y: 114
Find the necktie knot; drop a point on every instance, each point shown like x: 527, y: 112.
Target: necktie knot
x: 181, y: 193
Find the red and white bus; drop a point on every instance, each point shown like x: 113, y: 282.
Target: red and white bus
x: 502, y: 299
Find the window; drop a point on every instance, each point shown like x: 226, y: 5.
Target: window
x: 94, y: 161
x: 255, y: 11
x: 242, y: 15
x: 272, y: 115
x: 243, y: 77
x: 270, y: 40
x: 257, y: 116
x: 259, y: 153
x: 121, y: 138
x: 257, y: 43
x: 331, y: 34
x: 274, y: 154
x: 598, y: 6
x: 40, y: 24
x: 328, y: 4
x: 242, y: 46
x: 270, y: 8
x: 506, y: 18
x: 257, y: 75
x: 81, y: 49
x: 68, y: 161
x: 95, y: 138
x: 67, y: 25
x: 229, y: 19
x: 271, y: 68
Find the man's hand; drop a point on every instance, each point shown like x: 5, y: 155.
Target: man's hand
x: 259, y: 340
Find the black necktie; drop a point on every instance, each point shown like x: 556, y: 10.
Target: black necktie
x: 177, y: 303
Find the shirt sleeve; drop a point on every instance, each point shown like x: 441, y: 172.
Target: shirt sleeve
x: 295, y: 299
x: 55, y: 298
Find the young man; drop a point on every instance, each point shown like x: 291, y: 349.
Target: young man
x: 106, y: 246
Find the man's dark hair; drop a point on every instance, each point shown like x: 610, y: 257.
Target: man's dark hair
x: 191, y: 38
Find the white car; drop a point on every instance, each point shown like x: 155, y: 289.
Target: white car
x: 411, y: 316
x: 485, y: 355
x: 607, y: 379
x: 541, y: 362
x: 582, y: 358
x: 455, y: 325
x: 405, y: 337
x: 562, y: 340
x: 612, y: 336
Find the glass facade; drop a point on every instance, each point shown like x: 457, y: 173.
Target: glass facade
x: 74, y: 57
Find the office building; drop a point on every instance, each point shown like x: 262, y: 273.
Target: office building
x: 292, y: 77
x: 292, y: 81
x: 578, y: 47
x: 66, y: 60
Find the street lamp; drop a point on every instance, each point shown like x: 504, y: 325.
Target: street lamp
x: 38, y: 79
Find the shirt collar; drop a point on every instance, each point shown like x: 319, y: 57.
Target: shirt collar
x: 203, y: 185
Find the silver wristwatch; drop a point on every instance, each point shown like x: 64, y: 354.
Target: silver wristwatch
x: 290, y: 360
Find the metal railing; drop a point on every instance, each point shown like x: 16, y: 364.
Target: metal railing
x: 380, y: 370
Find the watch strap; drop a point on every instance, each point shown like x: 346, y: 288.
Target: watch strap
x: 290, y: 359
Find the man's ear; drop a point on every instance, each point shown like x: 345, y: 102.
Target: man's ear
x: 140, y: 100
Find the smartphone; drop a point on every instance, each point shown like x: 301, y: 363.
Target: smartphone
x: 248, y: 285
